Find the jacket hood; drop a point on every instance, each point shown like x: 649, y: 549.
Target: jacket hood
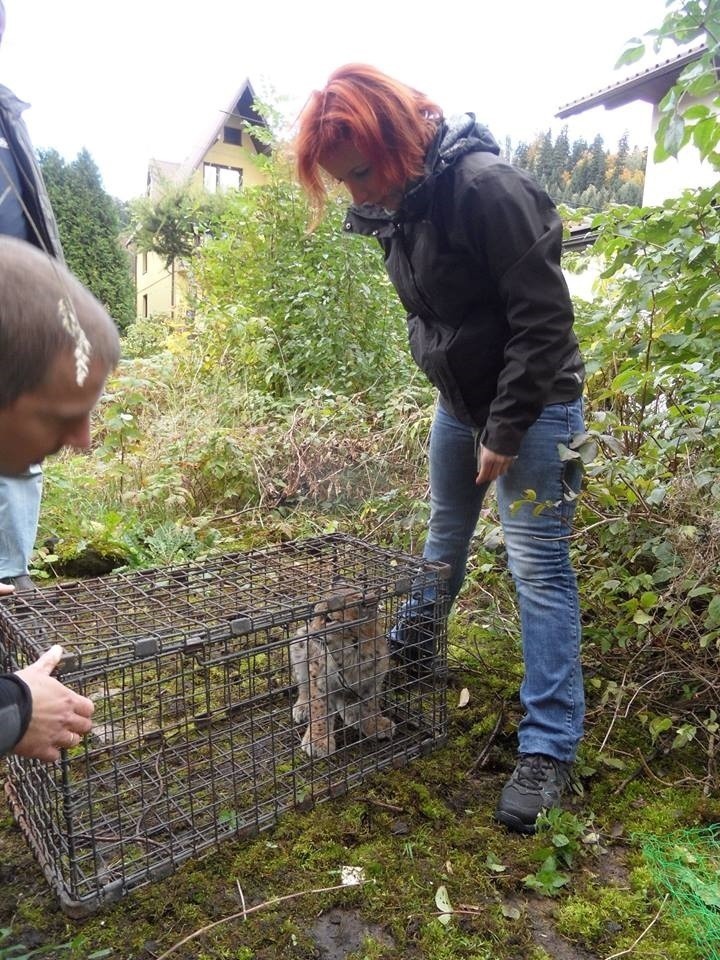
x: 456, y: 137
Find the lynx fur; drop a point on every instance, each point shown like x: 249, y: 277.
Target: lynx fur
x: 339, y: 662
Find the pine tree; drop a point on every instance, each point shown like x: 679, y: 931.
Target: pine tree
x: 568, y: 171
x: 545, y: 161
x: 598, y: 162
x: 561, y: 153
x: 521, y: 157
x: 621, y: 157
x: 89, y: 228
x: 579, y: 149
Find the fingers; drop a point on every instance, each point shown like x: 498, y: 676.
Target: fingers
x: 60, y: 717
x: 491, y: 466
x: 50, y: 659
x: 6, y: 589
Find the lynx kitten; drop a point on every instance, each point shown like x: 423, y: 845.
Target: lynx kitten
x: 339, y: 661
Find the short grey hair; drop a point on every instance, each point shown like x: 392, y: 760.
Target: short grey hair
x: 36, y: 292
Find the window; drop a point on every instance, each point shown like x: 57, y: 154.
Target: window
x: 144, y: 262
x: 217, y: 177
x: 232, y: 135
x: 145, y: 305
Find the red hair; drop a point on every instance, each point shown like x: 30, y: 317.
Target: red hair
x: 388, y: 122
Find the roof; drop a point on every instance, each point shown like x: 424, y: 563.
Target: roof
x: 650, y: 84
x: 159, y: 173
x: 579, y: 238
x: 241, y: 106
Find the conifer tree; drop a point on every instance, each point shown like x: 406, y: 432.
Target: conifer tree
x: 89, y: 228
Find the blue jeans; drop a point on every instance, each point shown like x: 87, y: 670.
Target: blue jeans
x: 552, y: 693
x: 19, y: 512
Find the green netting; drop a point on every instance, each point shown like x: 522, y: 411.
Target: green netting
x: 686, y: 864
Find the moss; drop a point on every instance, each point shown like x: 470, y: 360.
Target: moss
x: 411, y: 829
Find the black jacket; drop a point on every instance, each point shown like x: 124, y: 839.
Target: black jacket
x: 15, y: 711
x: 474, y: 254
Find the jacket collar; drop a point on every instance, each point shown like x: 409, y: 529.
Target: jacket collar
x: 11, y: 103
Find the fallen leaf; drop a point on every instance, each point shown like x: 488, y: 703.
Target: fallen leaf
x: 442, y: 902
x: 352, y: 876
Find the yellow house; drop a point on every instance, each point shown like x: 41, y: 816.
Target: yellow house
x: 224, y: 160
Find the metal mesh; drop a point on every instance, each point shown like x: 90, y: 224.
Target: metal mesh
x: 193, y: 734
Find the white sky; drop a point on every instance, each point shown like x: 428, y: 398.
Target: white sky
x: 137, y: 79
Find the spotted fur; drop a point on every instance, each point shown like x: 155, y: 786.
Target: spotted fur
x: 340, y: 660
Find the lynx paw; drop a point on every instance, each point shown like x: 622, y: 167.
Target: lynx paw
x: 379, y: 727
x: 301, y: 712
x: 318, y: 746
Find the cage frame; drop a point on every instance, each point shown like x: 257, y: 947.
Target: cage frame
x: 90, y: 859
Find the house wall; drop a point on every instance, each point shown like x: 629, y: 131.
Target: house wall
x: 156, y: 292
x: 154, y: 285
x: 230, y: 155
x: 670, y: 177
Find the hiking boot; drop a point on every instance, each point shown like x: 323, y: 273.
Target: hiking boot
x: 537, y: 783
x: 22, y: 583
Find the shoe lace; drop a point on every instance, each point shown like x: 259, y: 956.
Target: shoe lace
x: 534, y: 769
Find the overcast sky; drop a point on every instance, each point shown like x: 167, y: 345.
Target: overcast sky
x: 138, y: 79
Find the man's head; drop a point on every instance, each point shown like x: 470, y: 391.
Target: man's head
x: 57, y: 346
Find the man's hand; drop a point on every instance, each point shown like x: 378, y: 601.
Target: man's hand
x: 6, y: 589
x: 491, y: 465
x: 60, y: 717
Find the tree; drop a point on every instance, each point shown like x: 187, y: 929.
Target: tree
x: 521, y: 157
x: 561, y: 152
x: 545, y: 160
x: 174, y: 224
x: 89, y: 228
x: 597, y: 163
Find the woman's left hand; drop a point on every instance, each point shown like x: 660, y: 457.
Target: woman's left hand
x: 491, y: 466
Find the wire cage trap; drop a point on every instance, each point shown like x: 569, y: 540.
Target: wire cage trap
x: 226, y: 692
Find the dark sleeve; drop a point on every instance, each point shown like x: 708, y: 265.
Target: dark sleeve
x: 15, y: 711
x: 516, y: 234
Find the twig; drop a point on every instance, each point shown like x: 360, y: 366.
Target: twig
x: 616, y: 713
x: 632, y: 946
x: 636, y: 773
x: 379, y: 803
x: 482, y: 758
x: 244, y: 913
x: 242, y: 900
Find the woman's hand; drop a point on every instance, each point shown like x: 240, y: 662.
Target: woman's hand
x: 60, y: 717
x: 491, y: 465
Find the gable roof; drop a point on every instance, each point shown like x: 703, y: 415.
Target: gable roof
x: 650, y: 84
x: 241, y: 106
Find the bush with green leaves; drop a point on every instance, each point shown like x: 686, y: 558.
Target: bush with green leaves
x: 286, y: 309
x: 647, y: 546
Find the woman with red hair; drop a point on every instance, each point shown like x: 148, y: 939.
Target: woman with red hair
x: 472, y: 246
